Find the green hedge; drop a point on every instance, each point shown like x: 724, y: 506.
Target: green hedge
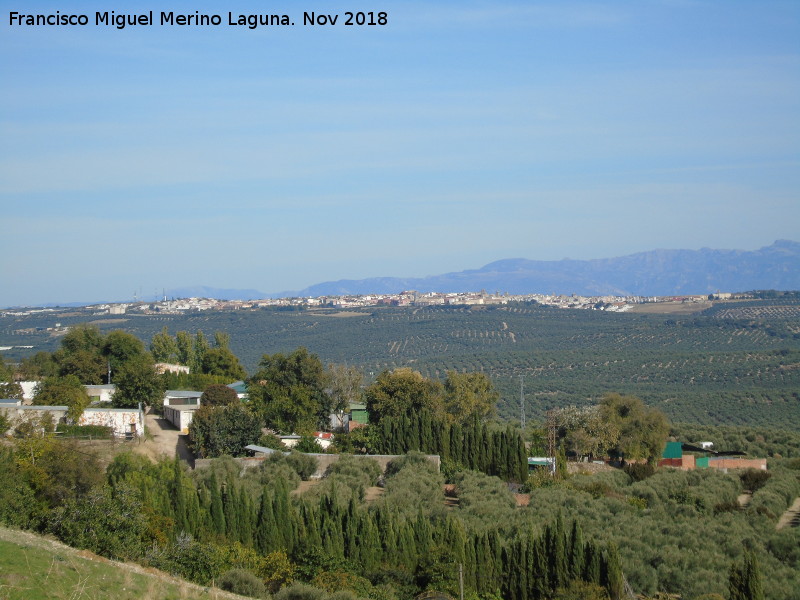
x: 80, y: 431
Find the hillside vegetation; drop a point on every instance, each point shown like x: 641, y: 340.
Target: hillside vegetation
x: 33, y: 567
x: 735, y: 364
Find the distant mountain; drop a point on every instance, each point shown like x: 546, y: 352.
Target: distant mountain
x: 654, y: 273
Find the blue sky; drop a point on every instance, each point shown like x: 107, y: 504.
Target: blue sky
x: 460, y: 133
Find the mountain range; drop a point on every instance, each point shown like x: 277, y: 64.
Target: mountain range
x: 653, y: 273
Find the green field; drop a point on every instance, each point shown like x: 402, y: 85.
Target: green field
x: 736, y: 363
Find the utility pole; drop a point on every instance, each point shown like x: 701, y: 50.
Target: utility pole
x: 551, y: 439
x: 522, y: 401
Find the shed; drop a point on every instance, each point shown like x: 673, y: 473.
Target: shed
x: 673, y: 450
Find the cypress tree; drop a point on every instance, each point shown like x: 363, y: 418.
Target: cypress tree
x: 246, y: 518
x: 265, y: 525
x: 557, y: 554
x: 369, y: 543
x: 611, y: 573
x: 229, y: 509
x: 576, y: 553
x: 280, y: 511
x: 540, y: 582
x: 179, y: 498
x: 456, y: 444
x: 591, y: 571
x: 496, y: 559
x: 350, y: 530
x: 217, y: 511
x: 510, y: 578
x: 744, y: 583
x: 406, y: 547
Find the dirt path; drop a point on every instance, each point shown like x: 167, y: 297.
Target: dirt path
x: 791, y: 518
x: 163, y: 438
x: 744, y: 499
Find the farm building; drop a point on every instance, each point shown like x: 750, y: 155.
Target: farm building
x: 180, y: 406
x: 675, y: 455
x: 124, y: 422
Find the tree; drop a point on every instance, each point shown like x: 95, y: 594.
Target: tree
x: 223, y: 363
x: 223, y: 430
x: 467, y: 395
x: 163, y: 347
x: 218, y: 394
x: 343, y: 389
x: 642, y: 430
x: 199, y: 348
x: 11, y: 389
x: 81, y: 355
x: 185, y: 344
x: 744, y: 581
x: 119, y: 348
x: 63, y: 391
x: 40, y: 365
x: 222, y: 340
x: 137, y: 382
x: 112, y: 525
x: 587, y: 431
x: 287, y: 392
x: 395, y: 393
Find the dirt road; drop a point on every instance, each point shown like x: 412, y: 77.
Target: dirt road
x: 164, y: 439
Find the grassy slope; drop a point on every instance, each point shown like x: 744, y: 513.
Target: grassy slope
x: 33, y: 567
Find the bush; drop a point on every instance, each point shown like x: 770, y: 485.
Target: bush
x: 242, y: 582
x: 309, y: 445
x: 300, y: 591
x: 218, y: 394
x: 413, y: 458
x: 187, y: 558
x: 639, y: 471
x: 753, y: 479
x: 276, y: 466
x: 303, y: 464
x: 355, y: 472
x: 80, y: 431
x: 220, y: 430
x: 270, y: 440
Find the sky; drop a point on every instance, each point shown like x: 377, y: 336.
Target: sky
x: 154, y: 157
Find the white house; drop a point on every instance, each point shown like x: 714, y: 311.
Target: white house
x: 179, y: 407
x: 124, y: 422
x: 100, y: 393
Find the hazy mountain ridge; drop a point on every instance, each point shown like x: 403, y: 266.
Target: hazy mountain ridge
x: 653, y: 273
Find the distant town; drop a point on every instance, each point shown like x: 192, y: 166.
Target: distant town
x: 409, y: 298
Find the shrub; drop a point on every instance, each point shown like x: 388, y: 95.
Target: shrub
x: 309, y: 445
x: 639, y: 471
x: 80, y: 431
x: 354, y: 471
x: 242, y: 582
x: 753, y: 479
x: 410, y: 459
x: 275, y: 467
x: 270, y: 440
x: 300, y: 591
x: 218, y: 394
x: 187, y: 558
x: 303, y: 464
